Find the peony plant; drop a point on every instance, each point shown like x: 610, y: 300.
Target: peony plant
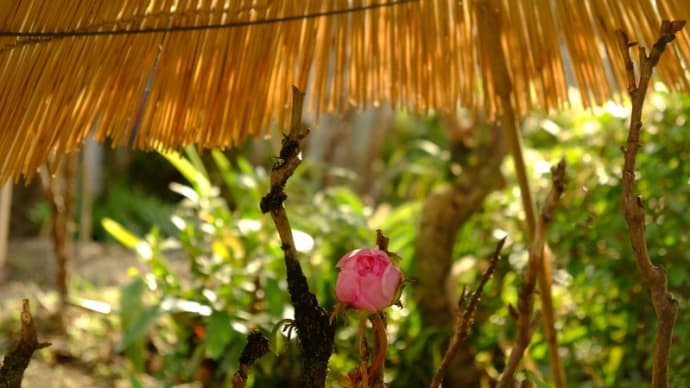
x: 368, y: 280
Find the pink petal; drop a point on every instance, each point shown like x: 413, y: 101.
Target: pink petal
x: 380, y: 264
x: 349, y: 260
x: 347, y: 287
x: 390, y: 282
x: 363, y: 304
x: 371, y: 291
x: 365, y: 264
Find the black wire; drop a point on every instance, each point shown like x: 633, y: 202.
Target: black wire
x: 42, y: 36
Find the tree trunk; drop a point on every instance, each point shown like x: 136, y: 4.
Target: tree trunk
x: 443, y: 214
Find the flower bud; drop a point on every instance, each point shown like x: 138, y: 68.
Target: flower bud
x: 368, y: 280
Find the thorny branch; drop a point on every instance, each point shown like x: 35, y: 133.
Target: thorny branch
x: 665, y: 306
x: 256, y: 347
x: 311, y: 320
x: 534, y: 265
x: 15, y: 362
x: 464, y: 317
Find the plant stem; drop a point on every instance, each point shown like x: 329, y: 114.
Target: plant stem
x: 526, y: 293
x: 375, y: 371
x: 665, y: 305
x: 464, y: 318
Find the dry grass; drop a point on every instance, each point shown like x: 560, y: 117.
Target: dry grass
x: 64, y: 73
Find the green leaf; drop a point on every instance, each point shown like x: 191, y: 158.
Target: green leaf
x: 677, y: 278
x: 245, y: 166
x: 573, y: 335
x: 346, y: 198
x: 133, y: 318
x: 227, y: 172
x: 140, y: 325
x: 613, y: 363
x: 120, y: 233
x: 196, y: 177
x: 135, y: 382
x: 218, y: 333
x: 194, y: 158
x: 225, y: 168
x: 278, y: 342
x: 420, y: 344
x: 536, y: 380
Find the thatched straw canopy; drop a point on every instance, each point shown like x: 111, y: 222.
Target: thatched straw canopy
x: 154, y: 73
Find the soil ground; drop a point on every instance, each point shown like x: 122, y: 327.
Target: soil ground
x: 99, y: 271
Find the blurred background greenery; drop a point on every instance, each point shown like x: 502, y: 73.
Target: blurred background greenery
x: 211, y: 269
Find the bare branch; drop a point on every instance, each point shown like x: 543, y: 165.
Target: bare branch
x: 14, y: 364
x: 313, y: 327
x: 464, y: 317
x: 534, y: 265
x: 256, y: 347
x: 665, y: 306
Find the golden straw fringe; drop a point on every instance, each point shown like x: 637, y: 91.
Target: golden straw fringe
x: 215, y: 87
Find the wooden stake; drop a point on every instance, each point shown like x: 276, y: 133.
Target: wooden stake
x: 5, y: 210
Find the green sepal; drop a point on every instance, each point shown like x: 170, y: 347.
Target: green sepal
x: 395, y: 258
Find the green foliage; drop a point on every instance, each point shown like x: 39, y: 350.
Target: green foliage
x: 604, y: 292
x: 136, y: 210
x: 222, y: 273
x: 219, y: 273
x: 204, y: 282
x: 606, y: 321
x: 135, y: 319
x: 413, y: 161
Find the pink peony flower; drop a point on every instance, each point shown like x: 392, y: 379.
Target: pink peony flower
x: 368, y: 280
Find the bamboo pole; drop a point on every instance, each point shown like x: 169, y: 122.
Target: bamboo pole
x: 490, y: 36
x: 5, y: 210
x: 89, y: 175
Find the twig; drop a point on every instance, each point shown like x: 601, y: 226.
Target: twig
x: 464, y: 318
x: 665, y: 306
x: 257, y: 346
x: 313, y: 328
x: 14, y: 364
x: 534, y: 265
